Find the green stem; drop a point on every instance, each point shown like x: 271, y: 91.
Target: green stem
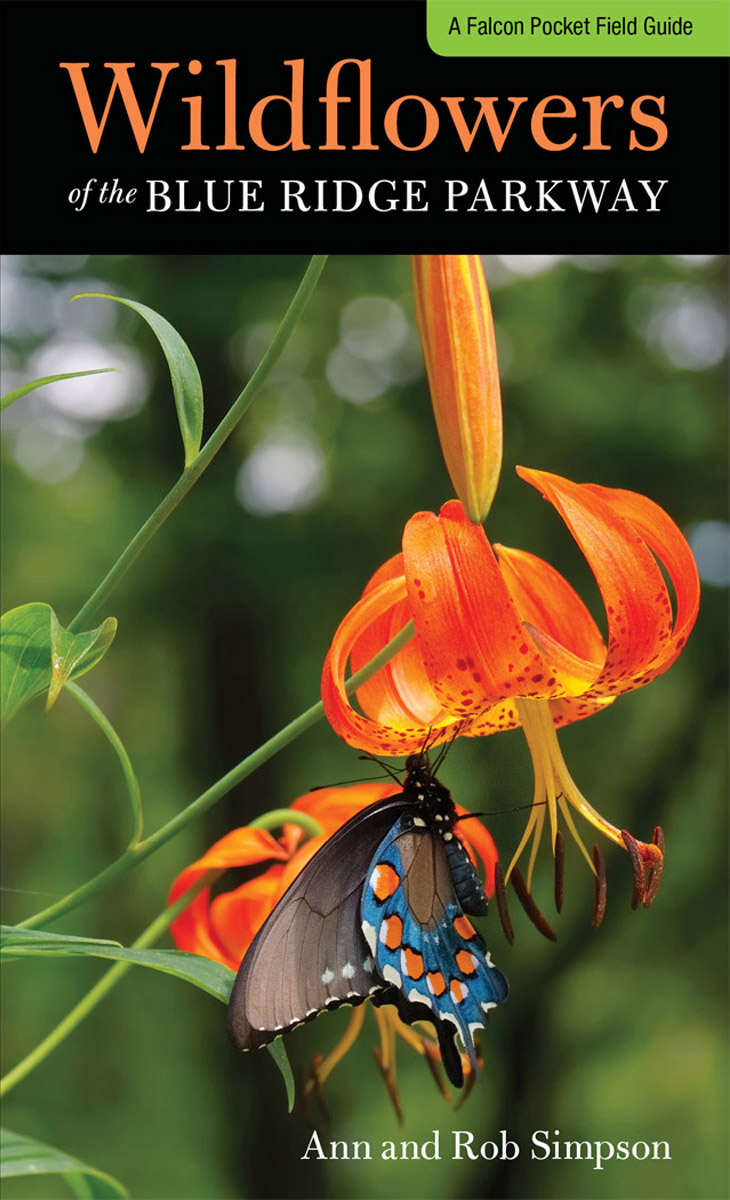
x: 287, y: 816
x: 207, y: 453
x: 216, y: 791
x: 108, y: 980
x: 130, y: 779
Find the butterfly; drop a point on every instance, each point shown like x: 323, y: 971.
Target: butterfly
x: 381, y: 913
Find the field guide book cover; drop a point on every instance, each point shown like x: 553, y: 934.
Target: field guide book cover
x: 366, y: 555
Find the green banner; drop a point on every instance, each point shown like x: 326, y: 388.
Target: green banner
x: 579, y: 28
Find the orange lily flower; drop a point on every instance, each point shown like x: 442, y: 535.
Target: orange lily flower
x: 503, y: 640
x: 223, y: 928
x: 455, y: 323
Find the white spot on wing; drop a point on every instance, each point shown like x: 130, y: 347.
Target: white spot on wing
x: 487, y: 1004
x: 327, y: 976
x: 348, y: 971
x: 390, y: 975
x: 368, y: 965
x: 369, y: 935
x: 420, y: 822
x: 419, y: 998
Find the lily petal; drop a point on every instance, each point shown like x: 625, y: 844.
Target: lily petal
x: 474, y: 645
x: 241, y: 848
x: 385, y: 737
x: 400, y: 693
x: 638, y: 608
x: 236, y: 917
x: 670, y: 546
x: 545, y: 598
x: 479, y: 842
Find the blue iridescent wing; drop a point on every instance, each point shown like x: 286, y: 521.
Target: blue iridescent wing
x: 422, y: 942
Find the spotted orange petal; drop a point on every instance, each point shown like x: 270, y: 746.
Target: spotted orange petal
x: 546, y: 600
x: 399, y: 694
x: 475, y: 648
x: 667, y: 542
x: 641, y: 634
x: 396, y: 736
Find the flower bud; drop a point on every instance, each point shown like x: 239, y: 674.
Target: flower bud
x: 455, y: 322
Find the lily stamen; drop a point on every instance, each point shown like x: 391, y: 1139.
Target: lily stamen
x: 559, y: 871
x: 654, y: 876
x: 556, y: 790
x: 500, y: 895
x: 323, y: 1066
x: 599, y: 888
x: 527, y: 901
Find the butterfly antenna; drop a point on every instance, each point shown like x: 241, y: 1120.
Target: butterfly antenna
x: 441, y: 756
x: 383, y: 766
x: 502, y: 812
x: 447, y: 745
x: 318, y: 787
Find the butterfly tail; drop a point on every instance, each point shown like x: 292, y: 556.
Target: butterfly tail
x: 408, y: 1011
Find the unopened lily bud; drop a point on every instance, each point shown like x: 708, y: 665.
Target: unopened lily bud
x: 455, y: 322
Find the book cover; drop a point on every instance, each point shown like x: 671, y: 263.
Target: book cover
x: 366, y: 556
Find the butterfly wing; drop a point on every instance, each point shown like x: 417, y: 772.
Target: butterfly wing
x: 310, y: 953
x: 422, y: 942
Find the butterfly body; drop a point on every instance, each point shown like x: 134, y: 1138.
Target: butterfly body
x: 378, y: 913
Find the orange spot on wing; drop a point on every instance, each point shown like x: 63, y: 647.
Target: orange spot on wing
x: 464, y: 928
x: 393, y: 932
x: 466, y: 962
x: 436, y: 983
x: 411, y: 963
x: 384, y: 881
x: 458, y: 990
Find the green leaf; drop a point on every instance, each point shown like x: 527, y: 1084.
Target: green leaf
x: 277, y: 1050
x: 73, y: 654
x: 22, y: 1155
x: 10, y: 397
x: 14, y: 939
x: 38, y: 655
x: 186, y: 384
x: 212, y: 977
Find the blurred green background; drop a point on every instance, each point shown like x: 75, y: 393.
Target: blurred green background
x: 613, y: 371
